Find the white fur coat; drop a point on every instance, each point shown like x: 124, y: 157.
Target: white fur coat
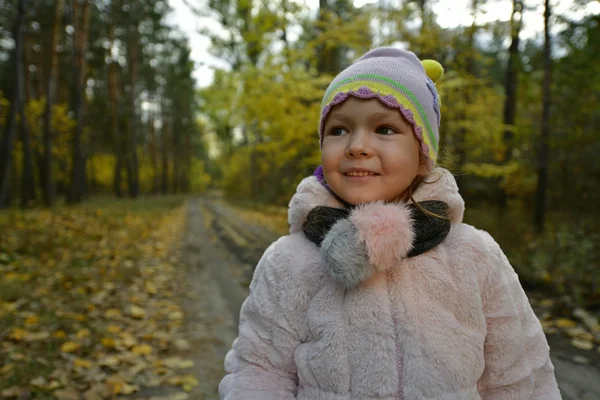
x: 450, y: 324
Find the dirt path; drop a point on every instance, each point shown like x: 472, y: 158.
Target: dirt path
x: 220, y: 252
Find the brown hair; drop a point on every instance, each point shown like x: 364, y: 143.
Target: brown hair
x: 416, y: 183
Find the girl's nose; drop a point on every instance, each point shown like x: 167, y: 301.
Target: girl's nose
x: 358, y: 145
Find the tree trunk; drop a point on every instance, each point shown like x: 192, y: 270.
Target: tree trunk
x: 153, y: 155
x: 8, y: 140
x: 511, y: 79
x: 27, y: 177
x: 327, y: 56
x: 46, y: 175
x: 133, y: 61
x: 511, y: 83
x: 540, y: 196
x: 81, y: 24
x: 113, y: 90
x: 164, y: 188
x: 27, y: 174
x: 117, y: 176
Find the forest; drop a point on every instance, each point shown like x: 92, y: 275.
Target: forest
x: 115, y: 151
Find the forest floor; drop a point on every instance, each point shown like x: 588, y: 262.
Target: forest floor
x: 143, y: 302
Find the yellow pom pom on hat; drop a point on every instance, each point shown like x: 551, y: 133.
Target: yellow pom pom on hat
x: 433, y: 69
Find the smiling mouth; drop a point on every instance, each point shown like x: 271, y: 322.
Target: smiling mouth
x: 360, y: 174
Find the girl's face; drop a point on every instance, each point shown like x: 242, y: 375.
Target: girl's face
x: 369, y: 152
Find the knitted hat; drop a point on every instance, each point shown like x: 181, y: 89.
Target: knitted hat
x: 399, y: 80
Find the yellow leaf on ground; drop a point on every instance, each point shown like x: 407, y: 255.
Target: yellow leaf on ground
x: 108, y: 342
x: 4, y: 370
x: 189, y: 383
x: 79, y: 317
x: 580, y: 333
x: 81, y: 363
x: 39, y: 382
x: 12, y: 392
x: 142, y: 350
x: 109, y: 361
x: 182, y: 344
x: 37, y: 336
x: 59, y: 334
x: 112, y: 313
x: 176, y: 362
x: 18, y: 334
x: 128, y: 339
x: 118, y: 385
x: 582, y: 344
x: 32, y: 320
x: 53, y: 385
x: 83, y: 333
x: 175, y: 316
x: 113, y: 329
x: 565, y: 323
x: 136, y: 312
x: 99, y: 391
x: 70, y: 347
x: 547, y: 303
x: 150, y: 288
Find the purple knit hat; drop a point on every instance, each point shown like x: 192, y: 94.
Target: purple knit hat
x: 399, y: 80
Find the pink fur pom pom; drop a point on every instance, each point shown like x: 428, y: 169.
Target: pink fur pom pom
x: 386, y: 230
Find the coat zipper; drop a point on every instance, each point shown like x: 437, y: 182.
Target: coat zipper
x: 399, y: 393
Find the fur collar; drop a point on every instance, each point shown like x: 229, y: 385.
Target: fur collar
x: 376, y: 235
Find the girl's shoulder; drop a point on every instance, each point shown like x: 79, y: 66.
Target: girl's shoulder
x: 465, y: 236
x: 470, y: 246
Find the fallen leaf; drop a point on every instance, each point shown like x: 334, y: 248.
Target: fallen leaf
x: 136, y: 311
x: 99, y: 391
x: 17, y: 356
x: 59, y: 334
x: 177, y: 315
x: 178, y: 363
x: 37, y: 336
x: 82, y: 334
x: 181, y: 344
x: 32, y: 320
x: 580, y: 333
x: 108, y: 342
x: 5, y: 369
x: 70, y: 347
x: 39, y: 382
x: 12, y: 392
x: 142, y: 349
x: 128, y: 339
x: 81, y: 363
x: 18, y: 334
x: 113, y: 313
x: 582, y: 344
x: 565, y: 323
x: 109, y: 361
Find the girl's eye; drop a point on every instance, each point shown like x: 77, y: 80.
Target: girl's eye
x: 338, y: 131
x: 385, y: 130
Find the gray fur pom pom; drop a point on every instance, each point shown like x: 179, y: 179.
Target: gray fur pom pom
x: 345, y: 255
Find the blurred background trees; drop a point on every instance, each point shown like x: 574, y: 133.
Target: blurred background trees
x: 520, y: 123
x: 108, y: 100
x: 99, y: 97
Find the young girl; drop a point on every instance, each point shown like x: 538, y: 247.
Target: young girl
x: 381, y: 291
